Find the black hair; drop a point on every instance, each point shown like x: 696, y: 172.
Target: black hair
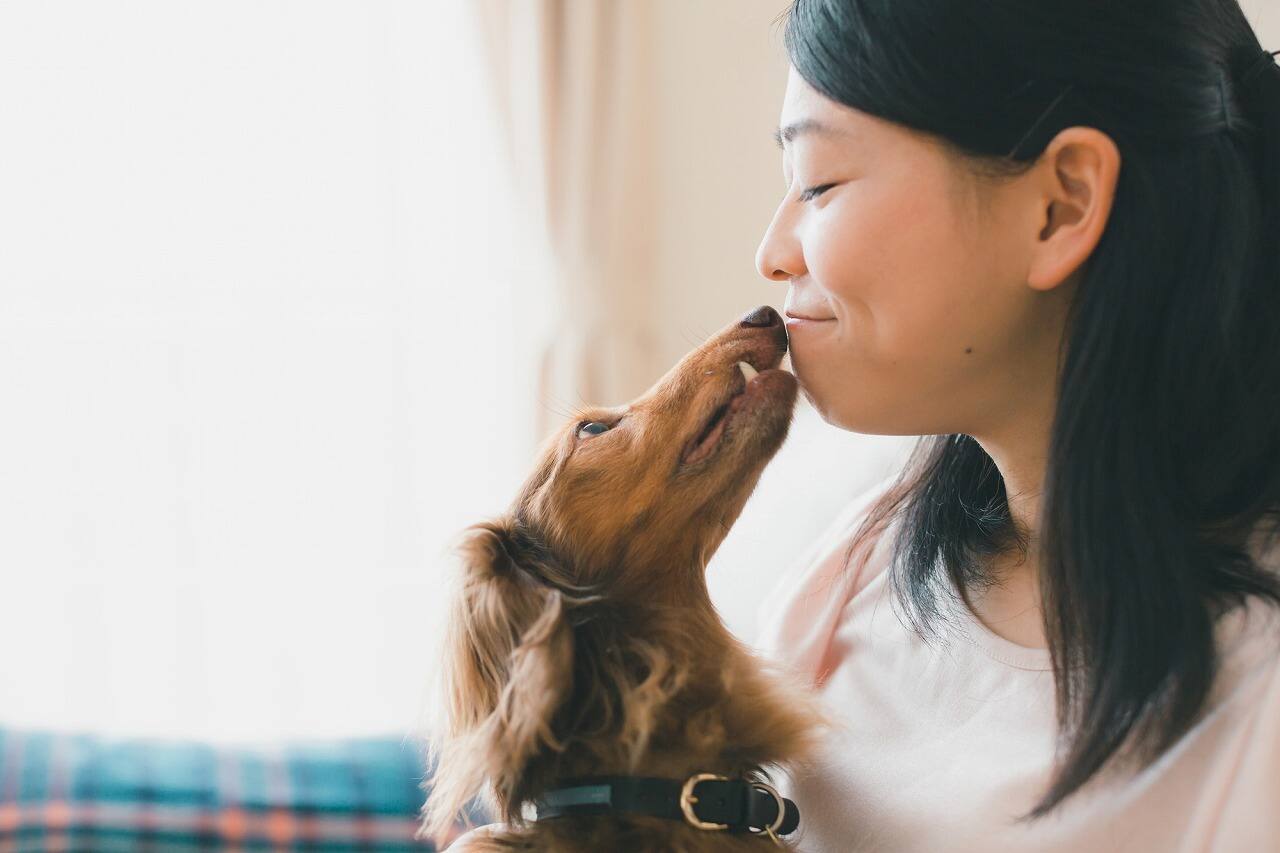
x: 1165, y: 446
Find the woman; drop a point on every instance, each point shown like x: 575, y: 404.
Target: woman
x: 1044, y: 237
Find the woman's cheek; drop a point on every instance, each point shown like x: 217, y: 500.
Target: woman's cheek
x: 831, y: 261
x: 842, y: 246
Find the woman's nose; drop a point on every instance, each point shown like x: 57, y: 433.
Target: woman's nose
x: 779, y: 256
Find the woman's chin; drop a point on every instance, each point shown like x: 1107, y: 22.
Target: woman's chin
x: 848, y: 416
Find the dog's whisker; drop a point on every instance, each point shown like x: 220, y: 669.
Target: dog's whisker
x: 688, y: 337
x: 559, y: 413
x: 558, y: 410
x: 561, y: 408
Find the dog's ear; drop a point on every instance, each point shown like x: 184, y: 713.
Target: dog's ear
x: 508, y: 667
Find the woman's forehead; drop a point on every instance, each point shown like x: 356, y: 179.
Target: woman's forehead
x: 808, y: 117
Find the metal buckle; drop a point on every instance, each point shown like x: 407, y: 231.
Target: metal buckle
x: 687, y: 799
x: 772, y: 829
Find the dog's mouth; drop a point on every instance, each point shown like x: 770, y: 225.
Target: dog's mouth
x: 747, y: 391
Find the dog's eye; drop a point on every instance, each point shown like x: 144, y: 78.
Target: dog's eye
x: 592, y: 428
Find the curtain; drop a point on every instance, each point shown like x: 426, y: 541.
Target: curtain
x: 569, y: 81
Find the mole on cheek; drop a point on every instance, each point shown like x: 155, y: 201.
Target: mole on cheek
x: 968, y: 350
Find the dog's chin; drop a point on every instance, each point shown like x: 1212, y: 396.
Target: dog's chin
x: 749, y: 428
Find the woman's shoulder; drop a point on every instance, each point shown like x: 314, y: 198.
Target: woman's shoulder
x: 798, y: 614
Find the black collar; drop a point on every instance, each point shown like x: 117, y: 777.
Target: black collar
x: 703, y: 800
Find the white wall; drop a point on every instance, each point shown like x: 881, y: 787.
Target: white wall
x: 254, y: 292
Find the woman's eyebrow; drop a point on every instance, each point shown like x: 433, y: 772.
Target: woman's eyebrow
x: 786, y: 134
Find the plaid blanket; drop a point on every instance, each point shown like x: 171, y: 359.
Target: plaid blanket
x: 76, y: 792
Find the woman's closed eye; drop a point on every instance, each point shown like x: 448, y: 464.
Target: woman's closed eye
x: 814, y: 192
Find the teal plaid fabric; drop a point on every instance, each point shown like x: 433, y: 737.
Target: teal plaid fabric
x: 77, y: 792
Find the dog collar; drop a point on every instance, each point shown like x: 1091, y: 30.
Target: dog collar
x: 704, y: 800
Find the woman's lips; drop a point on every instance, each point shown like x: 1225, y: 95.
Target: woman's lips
x: 798, y: 320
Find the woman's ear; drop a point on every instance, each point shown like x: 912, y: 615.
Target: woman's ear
x: 508, y: 667
x: 1078, y: 178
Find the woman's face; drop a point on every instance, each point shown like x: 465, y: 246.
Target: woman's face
x: 926, y: 322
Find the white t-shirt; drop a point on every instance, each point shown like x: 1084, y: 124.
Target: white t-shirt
x: 940, y: 747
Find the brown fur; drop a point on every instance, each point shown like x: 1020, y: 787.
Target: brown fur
x: 582, y: 639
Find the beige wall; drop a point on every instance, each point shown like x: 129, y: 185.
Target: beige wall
x: 720, y: 83
x: 1265, y: 17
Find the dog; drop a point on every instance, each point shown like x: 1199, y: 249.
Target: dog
x: 582, y: 643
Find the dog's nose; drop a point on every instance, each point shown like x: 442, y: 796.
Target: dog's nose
x: 762, y: 316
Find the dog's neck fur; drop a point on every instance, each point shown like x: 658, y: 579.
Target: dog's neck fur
x: 725, y: 717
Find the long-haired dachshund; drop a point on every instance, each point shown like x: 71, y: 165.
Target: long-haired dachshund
x: 587, y: 675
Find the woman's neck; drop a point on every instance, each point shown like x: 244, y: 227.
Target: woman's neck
x: 1011, y: 607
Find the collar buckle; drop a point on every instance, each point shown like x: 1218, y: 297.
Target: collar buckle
x: 687, y: 799
x: 772, y: 829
